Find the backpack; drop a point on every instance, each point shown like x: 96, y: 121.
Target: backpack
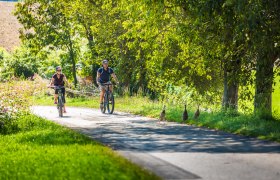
x: 103, y: 70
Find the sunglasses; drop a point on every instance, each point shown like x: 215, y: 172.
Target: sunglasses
x: 58, y: 70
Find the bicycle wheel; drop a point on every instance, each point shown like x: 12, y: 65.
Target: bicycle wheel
x: 60, y: 107
x: 111, y: 103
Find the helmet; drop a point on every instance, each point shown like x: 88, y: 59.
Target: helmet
x: 105, y: 61
x: 57, y: 67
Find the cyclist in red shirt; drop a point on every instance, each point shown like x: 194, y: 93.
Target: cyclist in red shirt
x: 59, y: 79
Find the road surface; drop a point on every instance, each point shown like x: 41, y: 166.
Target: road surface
x: 172, y: 150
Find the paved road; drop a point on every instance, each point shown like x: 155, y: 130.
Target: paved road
x: 175, y: 151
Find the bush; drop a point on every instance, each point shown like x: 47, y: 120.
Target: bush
x: 21, y: 63
x: 14, y: 102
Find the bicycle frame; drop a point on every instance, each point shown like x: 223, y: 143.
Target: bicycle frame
x: 60, y: 102
x: 108, y: 98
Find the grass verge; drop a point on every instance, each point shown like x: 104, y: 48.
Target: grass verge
x: 236, y: 123
x: 41, y: 149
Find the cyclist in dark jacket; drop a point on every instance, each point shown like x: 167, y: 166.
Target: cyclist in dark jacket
x: 103, y: 76
x: 59, y: 79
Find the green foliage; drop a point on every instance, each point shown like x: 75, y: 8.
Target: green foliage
x: 14, y: 102
x: 47, y: 26
x: 205, y: 48
x: 22, y: 63
x: 4, y: 56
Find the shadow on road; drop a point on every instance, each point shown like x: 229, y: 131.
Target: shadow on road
x: 175, y: 138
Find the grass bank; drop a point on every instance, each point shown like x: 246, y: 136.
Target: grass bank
x: 244, y: 124
x: 40, y: 149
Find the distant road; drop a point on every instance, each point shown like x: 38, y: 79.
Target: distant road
x: 9, y: 26
x: 175, y: 151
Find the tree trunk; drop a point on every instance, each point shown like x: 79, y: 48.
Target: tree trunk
x: 90, y: 43
x: 93, y: 55
x: 231, y: 83
x: 232, y: 68
x: 72, y: 59
x: 264, y: 83
x: 230, y: 97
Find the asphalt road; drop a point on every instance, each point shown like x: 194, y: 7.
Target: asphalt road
x: 175, y: 151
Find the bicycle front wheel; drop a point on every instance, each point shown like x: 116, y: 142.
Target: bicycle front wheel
x: 60, y: 107
x: 111, y: 103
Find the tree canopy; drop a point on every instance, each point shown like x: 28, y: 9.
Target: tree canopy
x: 194, y: 49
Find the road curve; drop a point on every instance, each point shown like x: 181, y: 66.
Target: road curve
x: 172, y: 150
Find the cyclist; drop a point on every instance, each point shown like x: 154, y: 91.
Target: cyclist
x: 103, y: 76
x: 59, y: 79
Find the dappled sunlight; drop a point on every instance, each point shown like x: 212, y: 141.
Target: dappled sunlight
x: 178, y: 138
x: 123, y: 131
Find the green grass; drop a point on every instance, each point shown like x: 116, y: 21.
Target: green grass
x: 78, y: 102
x: 141, y: 106
x: 41, y: 149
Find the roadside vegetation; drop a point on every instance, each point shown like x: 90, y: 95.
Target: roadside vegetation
x: 40, y: 149
x: 35, y: 148
x: 176, y: 52
x: 199, y: 51
x: 221, y: 56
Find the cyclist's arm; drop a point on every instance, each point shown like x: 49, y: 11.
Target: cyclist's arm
x: 115, y: 77
x: 51, y: 83
x: 97, y: 77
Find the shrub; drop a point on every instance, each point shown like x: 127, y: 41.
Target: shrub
x: 15, y: 102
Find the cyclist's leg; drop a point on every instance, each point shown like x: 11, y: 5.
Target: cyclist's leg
x: 55, y: 96
x: 102, y: 92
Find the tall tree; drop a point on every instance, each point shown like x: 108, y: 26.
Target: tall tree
x: 46, y: 26
x: 265, y: 34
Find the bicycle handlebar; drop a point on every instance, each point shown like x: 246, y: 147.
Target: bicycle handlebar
x: 106, y: 84
x: 57, y: 87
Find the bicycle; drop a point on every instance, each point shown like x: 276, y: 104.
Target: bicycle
x: 108, y: 99
x: 60, y: 99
